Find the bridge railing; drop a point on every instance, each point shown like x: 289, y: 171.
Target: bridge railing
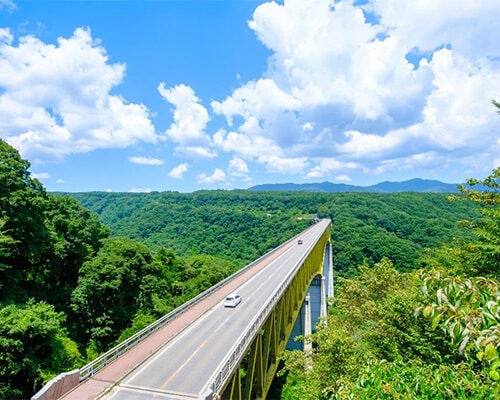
x: 241, y: 345
x: 106, y: 358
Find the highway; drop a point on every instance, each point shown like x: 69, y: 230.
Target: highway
x: 185, y: 366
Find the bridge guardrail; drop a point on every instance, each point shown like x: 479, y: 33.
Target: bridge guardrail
x: 105, y: 359
x: 238, y: 350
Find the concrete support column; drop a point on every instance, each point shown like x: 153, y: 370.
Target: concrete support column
x: 308, y: 332
x: 322, y: 312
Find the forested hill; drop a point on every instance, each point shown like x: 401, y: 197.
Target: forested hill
x: 412, y: 185
x: 241, y: 225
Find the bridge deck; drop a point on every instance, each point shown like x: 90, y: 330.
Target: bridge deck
x: 105, y: 379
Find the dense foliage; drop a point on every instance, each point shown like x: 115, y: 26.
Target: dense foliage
x: 80, y: 272
x: 67, y: 290
x: 424, y: 334
x: 241, y: 225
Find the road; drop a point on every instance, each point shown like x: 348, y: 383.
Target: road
x: 184, y: 368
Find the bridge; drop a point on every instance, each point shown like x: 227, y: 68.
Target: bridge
x: 204, y: 350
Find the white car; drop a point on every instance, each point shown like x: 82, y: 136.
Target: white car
x: 232, y: 300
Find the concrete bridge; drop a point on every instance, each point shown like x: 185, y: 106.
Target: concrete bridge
x: 203, y: 350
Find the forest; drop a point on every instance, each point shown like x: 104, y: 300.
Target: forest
x: 416, y: 312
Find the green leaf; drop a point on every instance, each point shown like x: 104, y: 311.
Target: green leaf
x: 490, y: 352
x: 494, y: 375
x: 435, y: 320
x: 428, y: 311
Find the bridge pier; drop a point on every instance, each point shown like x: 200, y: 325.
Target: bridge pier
x: 319, y: 291
x: 308, y: 331
x: 312, y: 309
x: 323, y: 311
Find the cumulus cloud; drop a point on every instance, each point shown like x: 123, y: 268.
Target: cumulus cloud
x: 244, y: 144
x: 261, y: 100
x: 238, y: 167
x: 178, y: 171
x: 190, y: 122
x: 325, y: 167
x: 146, y: 160
x: 284, y: 165
x: 55, y: 98
x: 343, y: 178
x: 369, y: 87
x: 196, y: 152
x: 351, y: 89
x: 217, y: 176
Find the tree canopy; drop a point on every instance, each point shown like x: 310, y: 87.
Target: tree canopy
x: 424, y: 334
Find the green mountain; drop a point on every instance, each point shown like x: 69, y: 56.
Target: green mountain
x: 412, y: 185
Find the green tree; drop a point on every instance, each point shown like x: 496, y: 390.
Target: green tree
x: 468, y: 310
x: 372, y: 320
x: 408, y: 380
x: 76, y: 235
x: 33, y: 348
x: 483, y: 254
x: 22, y: 205
x: 109, y: 289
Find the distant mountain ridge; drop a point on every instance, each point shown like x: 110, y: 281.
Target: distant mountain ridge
x: 412, y: 185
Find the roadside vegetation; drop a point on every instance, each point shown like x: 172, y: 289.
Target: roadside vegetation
x: 428, y: 333
x: 81, y: 272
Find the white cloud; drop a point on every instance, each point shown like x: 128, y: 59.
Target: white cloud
x: 6, y: 37
x: 260, y: 149
x: 308, y: 126
x: 326, y: 166
x: 238, y: 167
x: 247, y: 145
x: 343, y: 178
x: 218, y: 176
x: 351, y: 88
x: 466, y: 24
x: 260, y: 100
x: 178, y: 171
x: 190, y: 122
x: 55, y: 98
x: 392, y: 83
x: 146, y: 160
x: 361, y: 145
x: 41, y: 175
x: 140, y: 190
x: 8, y: 5
x: 283, y: 165
x: 238, y: 170
x: 195, y: 152
x: 457, y: 112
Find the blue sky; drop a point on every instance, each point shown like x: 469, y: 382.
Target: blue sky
x: 189, y: 95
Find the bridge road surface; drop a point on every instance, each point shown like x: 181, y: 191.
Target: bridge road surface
x: 185, y: 367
